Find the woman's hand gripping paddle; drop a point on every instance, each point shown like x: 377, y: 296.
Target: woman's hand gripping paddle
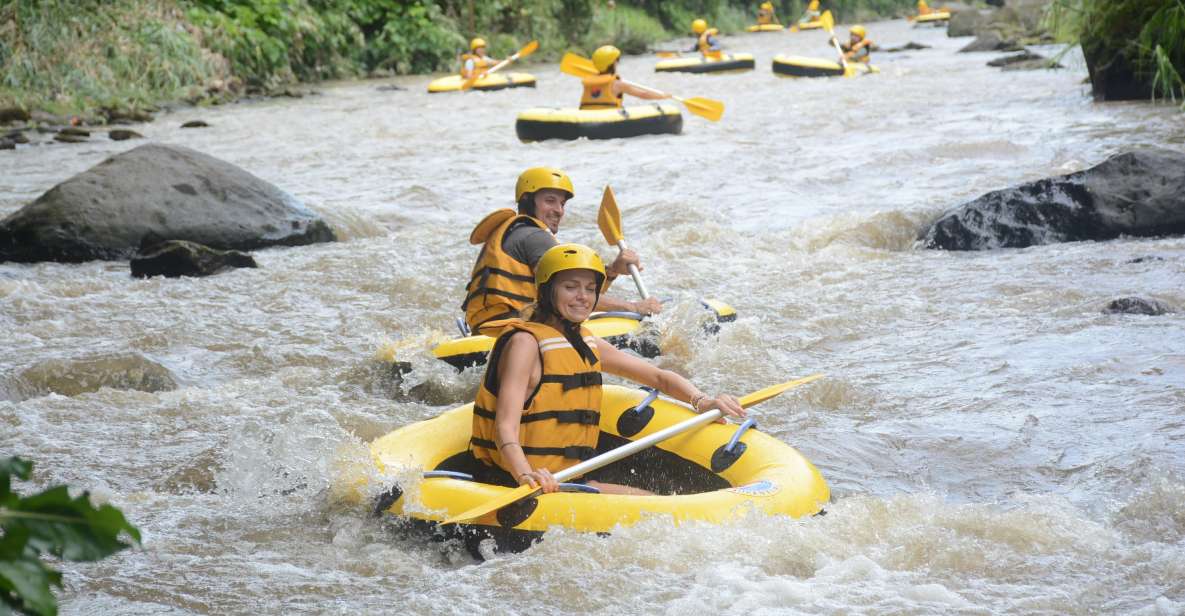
x: 578, y: 66
x: 527, y: 50
x: 609, y: 220
x: 626, y: 450
x: 829, y: 25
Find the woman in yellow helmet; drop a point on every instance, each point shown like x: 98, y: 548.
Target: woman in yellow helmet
x: 537, y: 409
x: 765, y: 14
x: 476, y: 61
x: 706, y: 43
x: 606, y: 90
x: 859, y: 46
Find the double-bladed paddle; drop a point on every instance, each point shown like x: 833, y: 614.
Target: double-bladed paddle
x: 592, y: 464
x: 609, y: 220
x: 579, y: 66
x: 527, y: 50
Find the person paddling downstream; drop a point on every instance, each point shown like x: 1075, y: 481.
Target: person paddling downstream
x: 537, y: 408
x: 501, y: 283
x: 707, y: 43
x: 765, y: 14
x: 476, y: 61
x: 859, y: 46
x: 606, y: 90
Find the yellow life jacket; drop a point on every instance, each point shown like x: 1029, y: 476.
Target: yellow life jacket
x: 863, y: 51
x: 598, y: 93
x: 499, y: 285
x: 705, y: 48
x: 561, y: 419
x: 479, y: 63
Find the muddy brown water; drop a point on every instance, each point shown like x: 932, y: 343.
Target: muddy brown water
x: 993, y: 441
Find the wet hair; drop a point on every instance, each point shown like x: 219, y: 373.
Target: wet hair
x: 544, y: 309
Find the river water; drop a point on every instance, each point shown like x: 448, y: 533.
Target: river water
x: 993, y: 441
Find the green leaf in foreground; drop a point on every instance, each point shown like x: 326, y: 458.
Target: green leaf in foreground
x: 50, y: 522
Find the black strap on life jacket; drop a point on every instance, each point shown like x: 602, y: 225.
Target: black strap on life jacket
x: 574, y: 452
x: 573, y: 381
x: 576, y: 416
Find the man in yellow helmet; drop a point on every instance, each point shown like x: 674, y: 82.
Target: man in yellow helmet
x: 502, y: 280
x: 765, y: 14
x: 606, y: 90
x: 923, y: 8
x: 859, y: 46
x: 812, y: 13
x: 706, y: 43
x: 476, y: 61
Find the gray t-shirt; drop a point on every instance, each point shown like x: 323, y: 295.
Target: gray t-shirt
x: 527, y: 243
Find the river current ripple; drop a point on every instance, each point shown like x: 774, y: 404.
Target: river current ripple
x: 994, y: 442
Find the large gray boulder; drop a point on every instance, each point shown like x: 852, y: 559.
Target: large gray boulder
x: 1138, y: 193
x: 154, y: 193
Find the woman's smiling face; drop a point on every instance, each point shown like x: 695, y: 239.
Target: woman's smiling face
x: 574, y: 294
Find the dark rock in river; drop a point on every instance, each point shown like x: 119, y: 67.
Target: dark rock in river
x: 1024, y: 61
x: 1137, y: 305
x: 70, y: 138
x: 17, y: 136
x: 195, y: 124
x: 156, y: 192
x: 123, y: 134
x: 13, y: 114
x: 965, y: 23
x: 74, y: 377
x: 176, y: 258
x: 910, y: 46
x: 990, y: 41
x: 1138, y: 193
x: 75, y: 131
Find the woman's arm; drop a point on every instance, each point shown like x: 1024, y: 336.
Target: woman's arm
x: 519, y: 361
x: 625, y: 365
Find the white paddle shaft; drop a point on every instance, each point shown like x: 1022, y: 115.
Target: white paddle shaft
x: 631, y: 448
x: 634, y: 273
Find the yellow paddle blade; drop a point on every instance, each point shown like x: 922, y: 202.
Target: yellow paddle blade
x: 667, y: 54
x: 527, y: 50
x: 577, y: 66
x: 705, y: 107
x: 762, y: 395
x: 609, y: 218
x: 509, y: 498
x: 828, y: 22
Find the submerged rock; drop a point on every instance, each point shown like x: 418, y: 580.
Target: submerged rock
x: 123, y: 134
x: 130, y: 371
x: 990, y: 41
x: 1137, y: 305
x: 910, y: 46
x: 196, y: 124
x: 1138, y: 193
x: 156, y: 192
x: 1024, y: 61
x: 175, y: 258
x: 70, y: 138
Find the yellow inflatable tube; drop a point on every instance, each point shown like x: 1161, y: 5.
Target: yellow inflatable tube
x: 497, y: 81
x: 760, y: 473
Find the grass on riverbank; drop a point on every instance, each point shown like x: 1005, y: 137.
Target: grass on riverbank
x: 1150, y: 33
x: 66, y: 56
x: 77, y: 56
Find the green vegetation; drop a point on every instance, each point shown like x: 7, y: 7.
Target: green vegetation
x: 49, y: 523
x: 79, y: 56
x: 1137, y: 44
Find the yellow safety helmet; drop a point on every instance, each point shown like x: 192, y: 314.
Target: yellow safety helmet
x: 768, y: 6
x: 477, y: 42
x: 563, y: 257
x: 537, y: 178
x: 698, y: 26
x: 814, y: 5
x: 605, y: 56
x: 858, y: 31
